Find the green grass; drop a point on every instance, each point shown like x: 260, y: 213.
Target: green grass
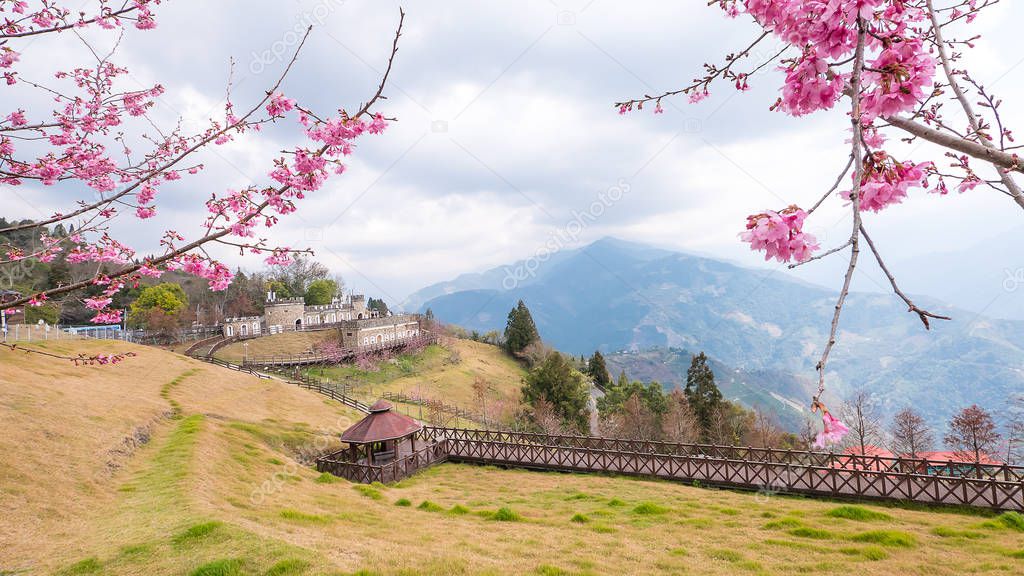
x: 616, y: 502
x: 648, y: 508
x: 812, y: 533
x: 580, y: 518
x: 87, y: 566
x: 165, y: 391
x: 326, y: 478
x: 296, y: 516
x: 195, y: 532
x: 459, y: 510
x: 368, y: 491
x: 223, y: 567
x: 944, y: 532
x: 288, y: 567
x: 428, y: 506
x: 892, y: 538
x: 783, y: 524
x: 857, y: 513
x: 505, y: 514
x: 405, y: 502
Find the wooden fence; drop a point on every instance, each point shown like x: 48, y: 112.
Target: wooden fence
x: 450, y: 409
x: 339, y: 465
x: 771, y: 471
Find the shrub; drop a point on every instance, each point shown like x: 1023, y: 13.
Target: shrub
x: 580, y: 519
x: 893, y: 538
x: 505, y: 514
x: 857, y: 513
x: 429, y: 506
x: 1012, y: 520
x: 326, y: 478
x: 403, y: 502
x: 649, y: 508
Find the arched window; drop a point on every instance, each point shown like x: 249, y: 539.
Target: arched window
x: 255, y: 327
x: 243, y: 330
x: 229, y: 330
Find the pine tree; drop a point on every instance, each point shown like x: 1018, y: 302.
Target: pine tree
x: 555, y: 381
x: 701, y: 392
x: 598, y: 371
x: 520, y: 331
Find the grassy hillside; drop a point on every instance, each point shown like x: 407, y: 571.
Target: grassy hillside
x: 445, y: 373
x: 283, y: 343
x: 164, y: 465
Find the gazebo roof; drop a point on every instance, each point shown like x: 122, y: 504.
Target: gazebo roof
x: 379, y: 425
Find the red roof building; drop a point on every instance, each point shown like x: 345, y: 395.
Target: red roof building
x: 382, y: 436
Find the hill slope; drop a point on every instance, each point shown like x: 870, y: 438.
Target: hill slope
x: 614, y: 295
x: 216, y: 489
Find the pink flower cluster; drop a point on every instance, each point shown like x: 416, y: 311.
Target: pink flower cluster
x: 886, y: 181
x: 832, y: 430
x: 780, y: 235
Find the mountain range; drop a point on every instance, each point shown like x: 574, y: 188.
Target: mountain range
x: 643, y: 306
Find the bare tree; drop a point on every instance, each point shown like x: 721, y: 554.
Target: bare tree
x: 634, y: 421
x: 973, y: 434
x: 480, y: 388
x: 546, y: 419
x: 911, y: 434
x: 808, y: 434
x: 1015, y: 431
x: 679, y: 423
x: 765, y: 433
x: 861, y: 416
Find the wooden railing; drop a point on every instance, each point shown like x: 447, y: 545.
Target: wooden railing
x: 759, y: 469
x: 767, y: 455
x: 450, y: 409
x: 338, y: 465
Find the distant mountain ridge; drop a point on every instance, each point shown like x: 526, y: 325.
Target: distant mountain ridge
x: 614, y: 295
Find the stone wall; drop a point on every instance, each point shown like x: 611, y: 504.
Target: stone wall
x: 375, y: 332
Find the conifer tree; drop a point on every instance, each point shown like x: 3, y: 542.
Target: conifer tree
x: 701, y: 391
x: 520, y: 331
x: 598, y: 371
x: 555, y: 381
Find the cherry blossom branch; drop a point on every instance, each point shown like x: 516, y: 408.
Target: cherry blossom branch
x: 940, y: 45
x: 855, y: 152
x: 78, y: 360
x: 213, y: 136
x: 714, y: 73
x: 998, y: 158
x: 923, y: 314
x: 835, y: 186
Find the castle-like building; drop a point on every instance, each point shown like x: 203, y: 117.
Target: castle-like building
x: 359, y: 326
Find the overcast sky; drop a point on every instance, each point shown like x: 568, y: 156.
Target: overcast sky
x: 507, y: 132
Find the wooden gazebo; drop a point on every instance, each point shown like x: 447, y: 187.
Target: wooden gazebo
x: 381, y: 437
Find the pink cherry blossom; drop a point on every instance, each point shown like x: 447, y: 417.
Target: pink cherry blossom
x: 832, y: 430
x: 780, y: 235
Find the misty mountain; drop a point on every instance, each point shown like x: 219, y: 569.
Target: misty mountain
x: 619, y: 296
